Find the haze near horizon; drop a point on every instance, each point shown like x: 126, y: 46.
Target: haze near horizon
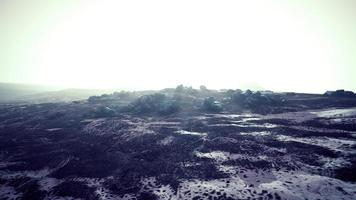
x: 301, y: 46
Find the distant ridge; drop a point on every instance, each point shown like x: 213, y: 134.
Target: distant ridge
x: 10, y: 92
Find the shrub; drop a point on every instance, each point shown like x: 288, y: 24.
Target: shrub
x: 93, y: 99
x: 211, y: 105
x: 102, y: 111
x: 155, y: 103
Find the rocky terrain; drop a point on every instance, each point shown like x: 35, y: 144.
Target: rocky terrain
x: 181, y: 144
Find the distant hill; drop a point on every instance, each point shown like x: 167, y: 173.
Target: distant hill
x: 13, y: 91
x: 64, y: 95
x: 10, y: 92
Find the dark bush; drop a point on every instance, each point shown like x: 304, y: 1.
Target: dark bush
x: 238, y: 97
x: 155, y: 103
x: 212, y: 105
x: 121, y: 95
x: 186, y: 90
x: 169, y: 107
x: 340, y: 93
x: 102, y: 111
x: 253, y: 100
x: 93, y: 99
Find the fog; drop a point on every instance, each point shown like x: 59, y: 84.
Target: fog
x: 277, y: 45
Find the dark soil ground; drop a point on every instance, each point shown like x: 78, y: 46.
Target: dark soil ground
x: 303, y: 149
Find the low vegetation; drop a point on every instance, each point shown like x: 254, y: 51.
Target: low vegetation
x: 184, y: 100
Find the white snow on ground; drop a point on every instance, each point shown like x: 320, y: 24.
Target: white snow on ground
x: 41, y: 176
x: 254, y: 183
x: 227, y: 169
x: 189, y: 189
x: 140, y: 129
x: 332, y: 163
x: 105, y: 194
x: 238, y: 118
x: 201, y: 117
x: 163, y: 192
x: 164, y: 123
x: 303, y: 116
x: 53, y: 129
x: 189, y: 164
x: 343, y: 121
x: 183, y: 132
x: 222, y: 156
x: 224, y: 125
x: 229, y: 116
x: 218, y: 156
x: 249, y: 118
x: 166, y: 141
x: 102, y: 192
x: 261, y: 133
x: 9, y: 193
x: 320, y: 130
x: 46, y: 183
x: 90, y: 182
x: 330, y: 143
x: 39, y: 173
x: 124, y: 129
x: 252, y: 125
x: 332, y: 113
x: 244, y: 125
x: 301, y: 186
x: 297, y: 117
x: 241, y: 183
x: 87, y: 120
x: 287, y: 185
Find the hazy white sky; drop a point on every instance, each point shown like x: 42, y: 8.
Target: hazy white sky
x: 307, y: 46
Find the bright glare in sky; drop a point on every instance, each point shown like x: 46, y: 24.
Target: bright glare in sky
x: 306, y: 46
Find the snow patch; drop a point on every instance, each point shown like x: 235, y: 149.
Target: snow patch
x: 166, y: 141
x: 46, y: 183
x: 183, y: 132
x: 332, y: 113
x: 261, y: 133
x: 53, y: 129
x: 330, y: 143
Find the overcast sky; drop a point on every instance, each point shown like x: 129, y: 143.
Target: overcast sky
x: 300, y: 45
